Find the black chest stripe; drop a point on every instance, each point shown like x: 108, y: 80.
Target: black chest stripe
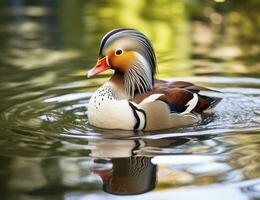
x: 137, y: 124
x: 135, y: 109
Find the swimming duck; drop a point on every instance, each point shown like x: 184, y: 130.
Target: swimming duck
x: 133, y: 99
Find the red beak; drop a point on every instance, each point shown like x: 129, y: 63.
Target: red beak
x: 102, y: 65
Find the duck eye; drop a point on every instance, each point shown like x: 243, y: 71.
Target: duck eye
x: 118, y: 52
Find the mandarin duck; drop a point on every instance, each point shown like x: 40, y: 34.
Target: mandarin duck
x: 133, y: 99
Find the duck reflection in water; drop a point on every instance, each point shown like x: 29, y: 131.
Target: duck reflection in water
x: 132, y: 170
x: 128, y: 176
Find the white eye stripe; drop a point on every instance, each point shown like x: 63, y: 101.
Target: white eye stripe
x: 119, y: 52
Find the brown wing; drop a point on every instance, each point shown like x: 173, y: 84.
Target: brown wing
x: 176, y: 98
x: 178, y: 94
x: 181, y: 84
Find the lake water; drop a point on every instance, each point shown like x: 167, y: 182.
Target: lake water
x: 49, y: 151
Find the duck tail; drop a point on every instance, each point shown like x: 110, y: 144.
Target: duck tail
x: 215, y: 101
x: 206, y: 103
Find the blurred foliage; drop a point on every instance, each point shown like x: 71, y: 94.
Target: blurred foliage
x: 191, y: 37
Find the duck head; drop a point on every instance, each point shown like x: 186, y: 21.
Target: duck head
x: 130, y: 53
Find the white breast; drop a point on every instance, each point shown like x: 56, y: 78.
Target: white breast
x: 105, y: 111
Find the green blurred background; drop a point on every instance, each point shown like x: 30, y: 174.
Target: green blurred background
x: 191, y: 37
